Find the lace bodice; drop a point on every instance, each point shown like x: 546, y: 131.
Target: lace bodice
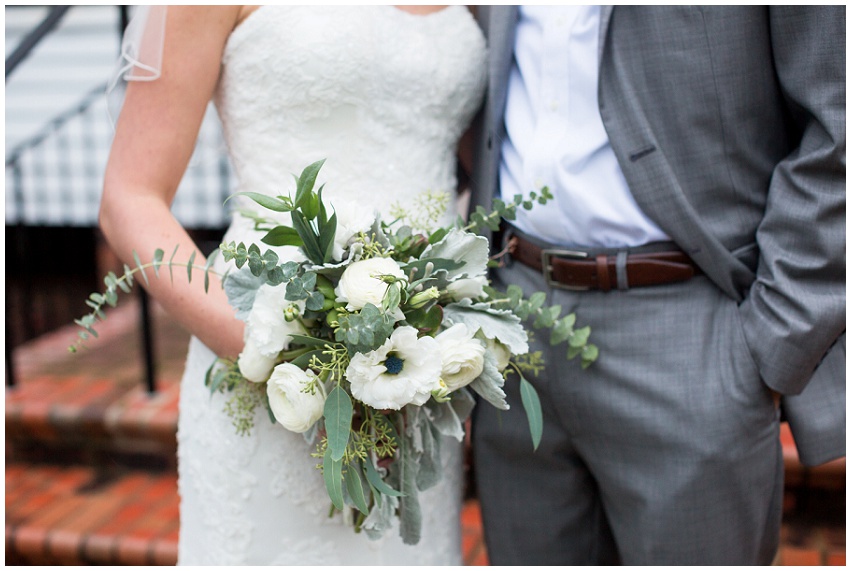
x: 383, y: 96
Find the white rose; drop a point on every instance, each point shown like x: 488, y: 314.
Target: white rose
x: 462, y: 355
x: 295, y: 409
x: 254, y: 365
x: 472, y: 288
x: 352, y: 219
x: 266, y: 326
x: 359, y: 286
x: 404, y: 370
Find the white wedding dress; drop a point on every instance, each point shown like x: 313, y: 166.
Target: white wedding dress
x: 384, y: 96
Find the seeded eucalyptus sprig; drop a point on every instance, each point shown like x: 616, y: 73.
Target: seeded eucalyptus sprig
x: 124, y: 282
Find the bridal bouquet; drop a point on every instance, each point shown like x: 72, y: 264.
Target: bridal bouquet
x: 372, y: 338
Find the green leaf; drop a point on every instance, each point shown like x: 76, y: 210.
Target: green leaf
x: 158, y: 260
x: 307, y: 341
x: 170, y: 262
x: 282, y: 236
x: 547, y: 316
x: 306, y: 181
x: 374, y: 478
x: 189, y: 265
x: 327, y: 233
x: 311, y: 243
x: 207, y: 267
x: 354, y: 486
x: 338, y: 421
x: 265, y: 201
x: 532, y: 406
x: 563, y: 329
x: 589, y: 355
x: 580, y: 337
x: 139, y: 265
x: 333, y: 473
x: 573, y: 352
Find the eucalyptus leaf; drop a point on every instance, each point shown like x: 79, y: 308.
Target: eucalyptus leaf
x: 377, y: 482
x: 189, y: 266
x: 333, y: 474
x: 354, y: 485
x: 532, y: 406
x: 338, y: 421
x: 139, y: 265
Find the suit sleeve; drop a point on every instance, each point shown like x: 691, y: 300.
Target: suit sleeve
x: 795, y: 309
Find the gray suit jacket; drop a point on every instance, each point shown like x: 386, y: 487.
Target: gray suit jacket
x: 729, y: 126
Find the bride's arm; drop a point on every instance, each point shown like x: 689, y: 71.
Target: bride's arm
x: 154, y: 140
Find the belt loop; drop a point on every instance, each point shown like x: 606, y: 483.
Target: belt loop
x: 603, y: 279
x: 620, y: 269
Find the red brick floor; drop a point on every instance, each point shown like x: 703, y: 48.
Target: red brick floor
x: 65, y: 513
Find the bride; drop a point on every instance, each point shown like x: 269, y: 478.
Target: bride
x: 382, y: 93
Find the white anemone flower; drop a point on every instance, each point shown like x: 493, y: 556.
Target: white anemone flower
x: 295, y: 409
x: 463, y: 356
x: 404, y: 370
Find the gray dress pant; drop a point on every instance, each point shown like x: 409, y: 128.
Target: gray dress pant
x: 664, y: 452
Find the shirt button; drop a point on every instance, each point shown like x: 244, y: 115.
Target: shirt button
x: 554, y: 105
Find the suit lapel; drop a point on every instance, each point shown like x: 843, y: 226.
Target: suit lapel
x: 605, y: 16
x: 501, y: 30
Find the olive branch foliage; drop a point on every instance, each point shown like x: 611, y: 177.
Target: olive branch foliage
x: 355, y: 434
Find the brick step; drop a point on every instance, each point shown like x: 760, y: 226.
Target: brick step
x: 77, y: 407
x: 77, y: 515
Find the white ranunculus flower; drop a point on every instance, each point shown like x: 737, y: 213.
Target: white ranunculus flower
x: 463, y: 356
x: 352, y: 219
x: 254, y: 365
x: 266, y: 326
x: 472, y: 288
x: 404, y: 370
x: 358, y: 286
x: 295, y: 409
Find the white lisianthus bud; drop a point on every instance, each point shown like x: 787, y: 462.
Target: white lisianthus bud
x: 361, y: 282
x: 472, y: 288
x: 463, y: 356
x: 421, y: 298
x: 254, y: 365
x: 295, y: 409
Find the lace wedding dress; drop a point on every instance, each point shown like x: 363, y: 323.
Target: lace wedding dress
x: 383, y: 95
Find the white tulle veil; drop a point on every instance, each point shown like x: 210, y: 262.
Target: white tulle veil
x: 141, y: 53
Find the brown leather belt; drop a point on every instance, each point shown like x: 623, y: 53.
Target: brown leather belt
x: 575, y: 270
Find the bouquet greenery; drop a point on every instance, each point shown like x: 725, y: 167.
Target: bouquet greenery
x: 372, y: 342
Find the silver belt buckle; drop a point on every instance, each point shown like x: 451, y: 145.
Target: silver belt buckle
x: 547, y: 267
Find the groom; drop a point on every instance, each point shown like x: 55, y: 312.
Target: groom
x: 697, y: 157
